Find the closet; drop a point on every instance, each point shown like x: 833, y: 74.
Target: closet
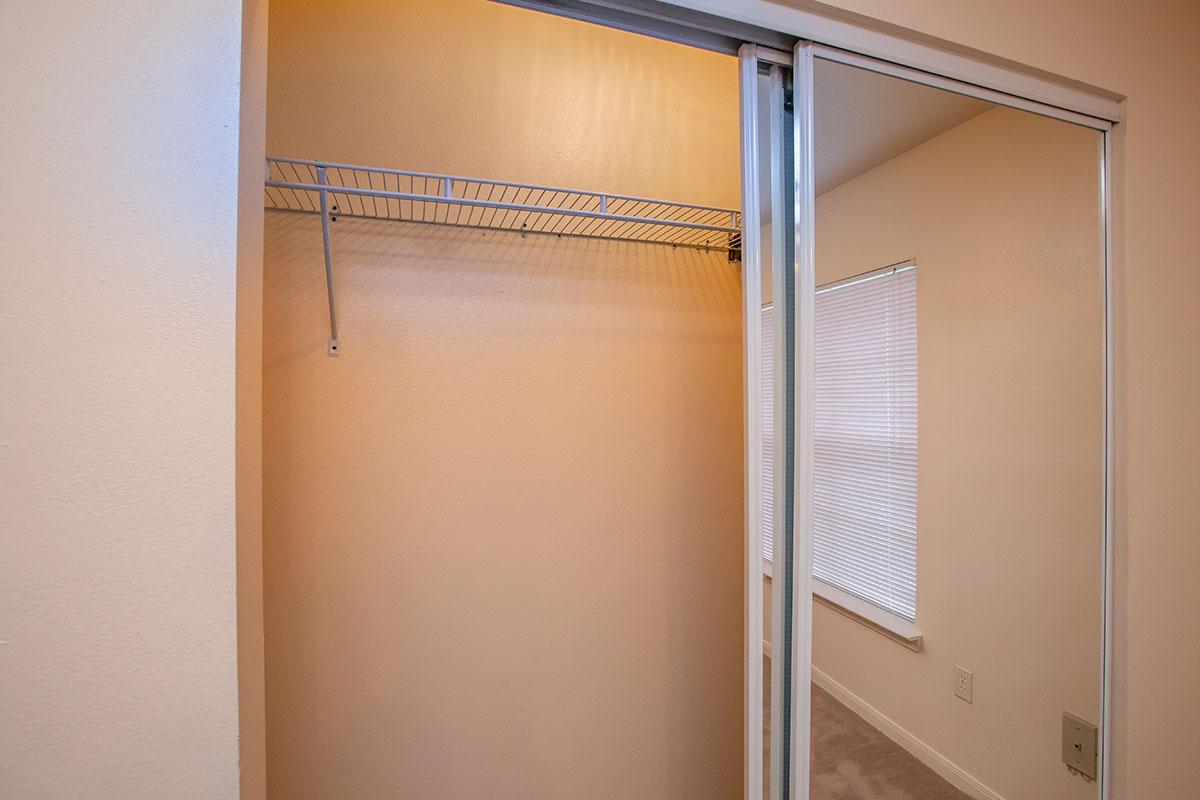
x: 503, y: 413
x: 592, y: 361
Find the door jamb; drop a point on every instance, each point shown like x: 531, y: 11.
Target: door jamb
x: 752, y: 422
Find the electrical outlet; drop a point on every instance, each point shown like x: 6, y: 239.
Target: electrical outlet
x: 963, y: 680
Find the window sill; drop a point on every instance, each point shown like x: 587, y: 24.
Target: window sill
x: 887, y: 624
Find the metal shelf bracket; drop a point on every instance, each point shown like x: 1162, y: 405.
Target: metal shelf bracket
x: 323, y: 181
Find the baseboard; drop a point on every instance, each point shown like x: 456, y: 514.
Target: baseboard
x: 958, y: 777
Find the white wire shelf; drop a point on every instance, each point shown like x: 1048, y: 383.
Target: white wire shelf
x: 403, y: 196
x: 345, y: 190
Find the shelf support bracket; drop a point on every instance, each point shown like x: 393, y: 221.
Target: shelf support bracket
x: 325, y: 235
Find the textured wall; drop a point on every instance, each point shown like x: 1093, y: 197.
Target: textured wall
x: 117, y: 306
x: 251, y: 645
x: 1001, y: 216
x: 503, y: 528
x: 472, y: 85
x: 111, y: 389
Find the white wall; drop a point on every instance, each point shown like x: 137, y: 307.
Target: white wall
x: 118, y: 269
x: 1002, y: 218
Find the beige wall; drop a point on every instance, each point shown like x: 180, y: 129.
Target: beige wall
x: 519, y: 95
x: 138, y: 388
x: 118, y: 276
x: 1147, y: 51
x: 503, y: 529
x: 1002, y: 219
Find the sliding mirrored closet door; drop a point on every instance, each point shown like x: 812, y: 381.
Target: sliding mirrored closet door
x: 769, y: 251
x: 958, y: 444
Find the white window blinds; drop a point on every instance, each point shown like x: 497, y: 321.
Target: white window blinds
x: 865, y: 439
x: 768, y: 434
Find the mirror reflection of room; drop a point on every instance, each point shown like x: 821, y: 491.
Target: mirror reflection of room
x: 958, y: 447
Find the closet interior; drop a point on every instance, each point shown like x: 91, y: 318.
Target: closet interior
x: 503, y: 419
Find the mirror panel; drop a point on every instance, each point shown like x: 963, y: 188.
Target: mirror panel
x: 958, y: 447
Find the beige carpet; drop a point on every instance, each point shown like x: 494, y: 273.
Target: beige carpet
x: 851, y: 760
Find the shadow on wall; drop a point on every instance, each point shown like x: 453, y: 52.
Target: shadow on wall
x: 547, y: 282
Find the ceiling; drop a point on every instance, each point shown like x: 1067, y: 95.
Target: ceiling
x: 863, y: 119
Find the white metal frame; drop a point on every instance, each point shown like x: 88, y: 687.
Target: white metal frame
x: 1109, y: 564
x: 1105, y: 128
x: 751, y: 56
x: 752, y: 435
x: 804, y: 300
x: 909, y: 55
x: 779, y: 319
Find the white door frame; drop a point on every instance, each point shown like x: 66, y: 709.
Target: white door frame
x: 909, y: 55
x: 753, y: 248
x: 805, y: 231
x: 803, y: 300
x: 753, y: 425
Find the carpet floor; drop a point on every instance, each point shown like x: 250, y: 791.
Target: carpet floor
x: 852, y: 760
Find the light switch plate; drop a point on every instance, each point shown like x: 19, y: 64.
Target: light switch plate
x: 1079, y: 745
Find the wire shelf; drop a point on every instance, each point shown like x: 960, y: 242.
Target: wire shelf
x: 403, y: 196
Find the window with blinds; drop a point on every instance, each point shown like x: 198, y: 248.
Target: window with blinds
x: 865, y: 438
x: 768, y: 434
